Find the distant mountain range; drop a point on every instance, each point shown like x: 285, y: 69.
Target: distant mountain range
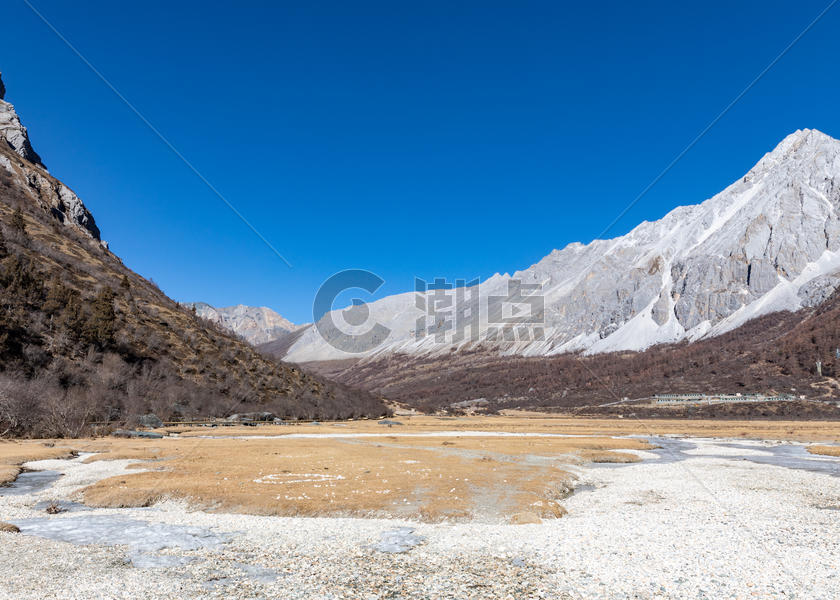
x: 769, y: 242
x: 738, y: 294
x: 255, y: 324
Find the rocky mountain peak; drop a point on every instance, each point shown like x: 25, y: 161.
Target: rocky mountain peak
x: 13, y: 131
x: 24, y: 166
x: 769, y: 242
x: 804, y: 150
x: 256, y: 324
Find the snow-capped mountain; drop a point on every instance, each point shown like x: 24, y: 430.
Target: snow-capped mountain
x: 768, y: 242
x: 256, y: 324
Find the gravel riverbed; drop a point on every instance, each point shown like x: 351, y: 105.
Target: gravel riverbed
x: 707, y: 519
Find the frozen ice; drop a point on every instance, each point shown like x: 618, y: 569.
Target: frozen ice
x: 30, y: 482
x: 397, y: 540
x: 144, y: 539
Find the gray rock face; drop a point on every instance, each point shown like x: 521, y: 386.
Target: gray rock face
x: 769, y: 242
x: 13, y: 132
x: 150, y: 420
x: 20, y: 161
x: 66, y: 206
x: 818, y: 290
x: 256, y: 324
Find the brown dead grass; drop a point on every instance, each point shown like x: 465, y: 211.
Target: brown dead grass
x: 601, y: 456
x: 332, y: 477
x: 422, y: 475
x: 541, y: 423
x: 825, y: 450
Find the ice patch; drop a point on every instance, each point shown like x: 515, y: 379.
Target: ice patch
x: 30, y: 482
x: 145, y: 540
x: 398, y: 540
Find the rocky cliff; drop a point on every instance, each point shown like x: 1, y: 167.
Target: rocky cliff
x: 14, y: 132
x: 26, y: 168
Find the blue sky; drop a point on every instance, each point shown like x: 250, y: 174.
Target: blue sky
x: 434, y: 139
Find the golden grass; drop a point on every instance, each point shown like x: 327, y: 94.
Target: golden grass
x: 8, y: 473
x: 825, y: 450
x: 423, y: 475
x: 601, y: 456
x: 336, y: 477
x: 542, y: 423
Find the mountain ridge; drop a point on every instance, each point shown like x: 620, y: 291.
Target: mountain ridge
x: 767, y: 242
x: 255, y: 324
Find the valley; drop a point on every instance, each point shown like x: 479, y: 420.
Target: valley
x: 429, y: 323
x: 524, y: 505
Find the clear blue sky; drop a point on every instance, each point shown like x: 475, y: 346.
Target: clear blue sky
x: 451, y: 139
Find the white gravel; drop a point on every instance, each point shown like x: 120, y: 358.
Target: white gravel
x: 715, y: 525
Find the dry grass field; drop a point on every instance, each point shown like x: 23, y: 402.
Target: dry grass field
x: 531, y: 422
x: 429, y: 467
x: 431, y: 477
x: 825, y: 450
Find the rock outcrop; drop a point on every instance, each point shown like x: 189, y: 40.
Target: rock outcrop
x: 29, y: 173
x: 14, y: 132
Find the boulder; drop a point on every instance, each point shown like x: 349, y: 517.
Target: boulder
x: 127, y: 433
x: 151, y: 421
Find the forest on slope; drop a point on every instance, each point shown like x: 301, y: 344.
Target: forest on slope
x: 776, y: 353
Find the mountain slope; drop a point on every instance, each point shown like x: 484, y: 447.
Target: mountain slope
x: 769, y: 242
x: 83, y: 338
x: 775, y: 353
x: 255, y: 324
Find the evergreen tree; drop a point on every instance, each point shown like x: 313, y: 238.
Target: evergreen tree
x: 21, y: 282
x: 72, y: 319
x: 18, y: 223
x: 57, y: 297
x: 102, y: 323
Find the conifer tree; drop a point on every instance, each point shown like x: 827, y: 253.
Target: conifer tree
x: 102, y: 323
x: 18, y: 223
